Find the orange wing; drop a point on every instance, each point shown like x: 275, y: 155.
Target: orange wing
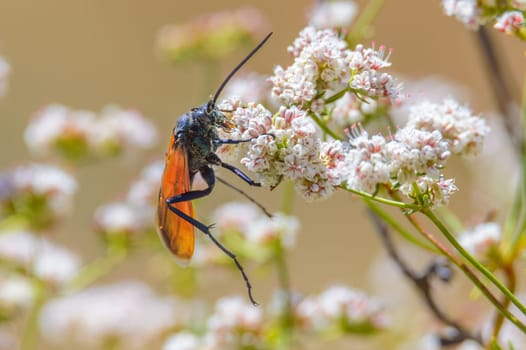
x: 176, y: 233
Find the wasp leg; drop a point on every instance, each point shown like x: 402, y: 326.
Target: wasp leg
x: 208, y: 175
x: 243, y: 193
x: 235, y: 142
x: 241, y: 174
x: 229, y: 141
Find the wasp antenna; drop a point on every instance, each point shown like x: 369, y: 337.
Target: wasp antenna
x: 243, y: 193
x: 238, y: 67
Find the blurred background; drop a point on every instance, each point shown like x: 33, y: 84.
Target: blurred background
x: 87, y: 54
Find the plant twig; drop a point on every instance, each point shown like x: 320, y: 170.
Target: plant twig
x: 422, y: 283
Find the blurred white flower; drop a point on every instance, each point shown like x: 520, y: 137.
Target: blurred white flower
x: 78, y: 134
x: 5, y: 72
x: 235, y: 216
x: 252, y: 87
x: 126, y: 312
x: 234, y: 321
x: 120, y: 217
x: 123, y: 129
x: 519, y: 4
x: 56, y: 126
x: 144, y: 192
x: 510, y: 22
x: 333, y: 14
x: 16, y: 292
x: 182, y: 341
x: 340, y: 306
x: 211, y: 36
x: 266, y: 230
x: 481, y: 239
x: 45, y: 180
x: 466, y: 11
x: 37, y: 255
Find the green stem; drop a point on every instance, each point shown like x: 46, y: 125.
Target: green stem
x: 375, y: 198
x: 397, y: 227
x: 491, y: 277
x: 287, y: 318
x: 324, y: 127
x: 467, y: 271
x: 511, y: 282
x: 363, y: 24
x: 30, y: 336
x: 336, y: 96
x: 97, y: 269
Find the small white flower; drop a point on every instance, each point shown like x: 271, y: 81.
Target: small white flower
x: 333, y: 14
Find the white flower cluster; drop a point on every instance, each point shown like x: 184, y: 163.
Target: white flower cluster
x: 324, y: 63
x: 289, y: 146
x: 340, y: 306
x: 40, y: 181
x: 507, y: 16
x: 80, y: 133
x: 39, y: 257
x: 466, y: 12
x: 128, y: 313
x: 416, y: 153
x: 482, y: 239
x: 333, y: 14
x: 365, y: 65
x: 457, y: 124
x: 510, y: 22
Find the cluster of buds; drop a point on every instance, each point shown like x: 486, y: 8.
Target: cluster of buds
x: 81, y: 134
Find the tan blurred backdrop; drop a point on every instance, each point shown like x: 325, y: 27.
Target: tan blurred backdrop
x: 88, y: 53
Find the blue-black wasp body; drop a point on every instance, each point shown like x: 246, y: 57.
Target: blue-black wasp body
x: 191, y: 150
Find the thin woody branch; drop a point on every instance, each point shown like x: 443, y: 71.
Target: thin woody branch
x: 421, y: 281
